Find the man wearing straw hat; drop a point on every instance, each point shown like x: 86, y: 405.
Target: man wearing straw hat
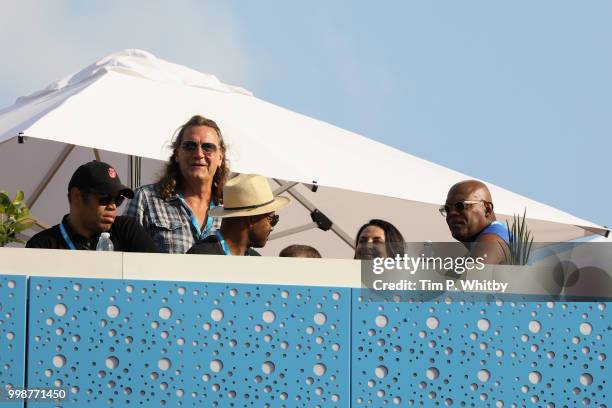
x: 248, y: 216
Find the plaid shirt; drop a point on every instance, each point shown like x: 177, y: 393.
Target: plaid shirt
x: 168, y: 222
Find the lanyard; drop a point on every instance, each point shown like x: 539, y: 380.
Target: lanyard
x: 194, y: 220
x: 224, y: 244
x: 66, y: 237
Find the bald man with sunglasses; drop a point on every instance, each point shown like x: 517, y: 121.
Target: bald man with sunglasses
x: 470, y: 217
x: 94, y: 194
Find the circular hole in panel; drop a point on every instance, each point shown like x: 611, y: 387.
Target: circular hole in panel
x: 534, y: 326
x: 484, y: 375
x: 112, y: 362
x: 381, y: 371
x: 165, y: 313
x: 586, y: 329
x: 483, y: 324
x: 268, y: 316
x: 432, y: 373
x: 535, y: 377
x: 320, y: 318
x: 164, y: 364
x: 319, y: 369
x: 381, y: 321
x: 216, y: 315
x: 216, y: 366
x: 586, y: 379
x: 59, y: 361
x: 268, y: 367
x: 112, y: 311
x: 60, y: 309
x: 432, y: 323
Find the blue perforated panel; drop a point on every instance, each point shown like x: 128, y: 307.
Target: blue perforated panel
x: 13, y: 292
x: 142, y: 343
x: 465, y: 353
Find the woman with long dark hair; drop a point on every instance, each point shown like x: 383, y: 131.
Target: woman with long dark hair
x: 378, y: 239
x: 175, y: 209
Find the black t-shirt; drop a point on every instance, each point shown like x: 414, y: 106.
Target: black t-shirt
x: 126, y: 234
x: 211, y: 246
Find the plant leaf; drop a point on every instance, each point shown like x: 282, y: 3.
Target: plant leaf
x: 18, y: 198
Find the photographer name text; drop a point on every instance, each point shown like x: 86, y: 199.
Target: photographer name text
x: 472, y: 285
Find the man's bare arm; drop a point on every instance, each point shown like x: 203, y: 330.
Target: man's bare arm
x: 493, y: 246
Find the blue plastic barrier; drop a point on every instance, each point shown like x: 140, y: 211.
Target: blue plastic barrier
x: 466, y: 352
x: 118, y: 343
x: 123, y: 343
x: 13, y: 293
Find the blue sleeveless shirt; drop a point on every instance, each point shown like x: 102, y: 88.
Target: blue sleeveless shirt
x: 496, y: 228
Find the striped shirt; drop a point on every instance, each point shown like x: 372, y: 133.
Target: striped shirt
x: 168, y: 222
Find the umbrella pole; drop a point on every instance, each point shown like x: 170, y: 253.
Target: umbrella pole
x: 292, y: 231
x: 311, y: 208
x: 135, y: 169
x: 50, y: 174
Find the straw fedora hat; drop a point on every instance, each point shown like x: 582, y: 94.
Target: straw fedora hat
x: 246, y: 195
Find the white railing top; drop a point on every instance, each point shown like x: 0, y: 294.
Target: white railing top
x: 174, y: 267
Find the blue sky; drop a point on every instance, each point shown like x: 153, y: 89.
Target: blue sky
x: 519, y: 94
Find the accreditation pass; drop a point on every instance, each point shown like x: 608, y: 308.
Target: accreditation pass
x: 38, y: 394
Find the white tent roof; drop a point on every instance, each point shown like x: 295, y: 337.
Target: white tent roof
x: 132, y: 103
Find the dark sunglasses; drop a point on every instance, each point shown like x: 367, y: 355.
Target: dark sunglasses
x: 191, y: 146
x: 459, y: 206
x: 273, y: 219
x: 108, y: 199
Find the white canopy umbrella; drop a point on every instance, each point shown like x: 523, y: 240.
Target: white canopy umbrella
x: 131, y: 103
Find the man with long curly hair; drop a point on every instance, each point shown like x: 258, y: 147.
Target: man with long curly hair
x: 175, y: 209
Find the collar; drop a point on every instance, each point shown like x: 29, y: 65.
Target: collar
x: 224, y: 245
x: 79, y: 241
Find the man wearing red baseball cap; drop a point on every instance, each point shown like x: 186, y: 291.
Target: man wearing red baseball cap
x: 94, y: 193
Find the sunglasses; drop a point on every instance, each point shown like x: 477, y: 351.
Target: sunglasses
x: 191, y: 146
x: 108, y: 199
x: 273, y: 219
x: 459, y: 206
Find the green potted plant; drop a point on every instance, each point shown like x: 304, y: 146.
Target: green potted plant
x: 14, y: 218
x: 521, y: 241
